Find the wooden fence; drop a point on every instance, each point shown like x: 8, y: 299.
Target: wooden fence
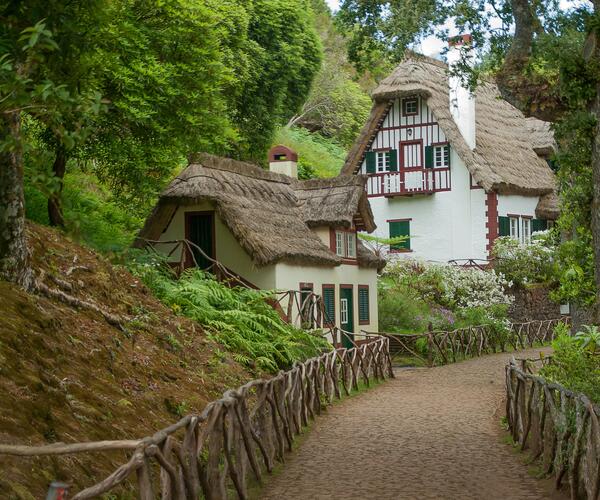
x: 442, y: 347
x: 245, y: 432
x: 560, y: 428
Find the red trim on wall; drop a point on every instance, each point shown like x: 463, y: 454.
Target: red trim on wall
x: 401, y: 155
x: 310, y: 286
x: 398, y: 220
x: 491, y: 213
x: 514, y: 216
x: 381, y: 150
x: 412, y: 125
x: 362, y: 322
x: 526, y: 216
x: 445, y: 143
x: 329, y: 286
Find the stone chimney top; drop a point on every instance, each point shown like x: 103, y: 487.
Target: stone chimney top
x: 283, y: 160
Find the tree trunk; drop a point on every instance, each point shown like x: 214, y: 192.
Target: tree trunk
x: 14, y: 255
x: 55, y: 215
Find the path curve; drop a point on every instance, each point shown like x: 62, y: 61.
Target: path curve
x: 429, y: 433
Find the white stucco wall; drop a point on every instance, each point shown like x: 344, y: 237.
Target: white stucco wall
x: 445, y: 225
x: 228, y: 250
x: 289, y: 277
x: 517, y: 205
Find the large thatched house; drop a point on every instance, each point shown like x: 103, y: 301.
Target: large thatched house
x: 274, y: 231
x: 450, y: 170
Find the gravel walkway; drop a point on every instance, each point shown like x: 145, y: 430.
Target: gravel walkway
x: 429, y: 433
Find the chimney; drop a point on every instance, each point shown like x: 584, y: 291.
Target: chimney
x: 462, y: 102
x: 283, y: 160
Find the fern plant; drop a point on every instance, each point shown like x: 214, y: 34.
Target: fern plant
x: 240, y: 319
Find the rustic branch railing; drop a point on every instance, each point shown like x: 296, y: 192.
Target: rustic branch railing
x: 247, y: 431
x: 439, y: 347
x: 560, y: 427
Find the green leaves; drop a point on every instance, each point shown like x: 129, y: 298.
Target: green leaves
x: 38, y: 36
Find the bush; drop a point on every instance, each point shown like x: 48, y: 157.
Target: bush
x: 238, y: 318
x: 576, y: 362
x: 524, y: 264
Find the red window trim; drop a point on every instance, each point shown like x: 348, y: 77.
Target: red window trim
x: 527, y: 217
x: 189, y: 262
x: 306, y: 286
x: 409, y: 99
x: 400, y: 250
x: 362, y: 322
x: 401, y: 154
x: 381, y: 150
x: 445, y: 143
x: 329, y: 286
x: 514, y: 216
x: 345, y: 260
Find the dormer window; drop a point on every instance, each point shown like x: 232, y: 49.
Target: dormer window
x: 410, y: 106
x: 345, y: 244
x: 441, y: 156
x: 382, y: 161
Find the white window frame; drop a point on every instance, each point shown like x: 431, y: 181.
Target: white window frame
x: 351, y: 245
x: 526, y: 230
x: 382, y: 161
x: 514, y: 227
x: 444, y: 161
x: 340, y: 250
x: 344, y: 311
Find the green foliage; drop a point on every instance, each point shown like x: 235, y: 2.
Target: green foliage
x: 575, y: 364
x: 238, y: 318
x: 317, y: 156
x: 91, y: 212
x: 526, y: 264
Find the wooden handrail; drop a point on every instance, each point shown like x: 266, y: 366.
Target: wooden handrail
x: 249, y: 429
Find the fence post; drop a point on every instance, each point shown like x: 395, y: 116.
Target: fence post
x: 430, y: 345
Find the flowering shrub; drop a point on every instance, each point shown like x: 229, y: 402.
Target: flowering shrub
x: 452, y: 286
x: 523, y: 264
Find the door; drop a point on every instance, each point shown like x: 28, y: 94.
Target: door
x: 200, y: 230
x: 346, y: 314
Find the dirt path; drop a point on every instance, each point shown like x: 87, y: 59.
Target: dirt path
x: 429, y: 433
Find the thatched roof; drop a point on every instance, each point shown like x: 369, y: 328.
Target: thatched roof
x: 338, y: 201
x: 504, y: 159
x: 548, y: 207
x: 268, y: 213
x: 541, y: 136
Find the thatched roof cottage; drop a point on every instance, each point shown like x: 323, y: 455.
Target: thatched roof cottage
x: 452, y: 170
x: 274, y: 231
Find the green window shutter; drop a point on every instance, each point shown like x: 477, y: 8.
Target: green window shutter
x: 503, y: 226
x: 393, y: 160
x: 428, y: 156
x: 539, y: 225
x: 400, y: 228
x: 371, y: 162
x: 363, y: 305
x: 329, y: 305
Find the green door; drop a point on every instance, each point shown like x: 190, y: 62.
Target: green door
x: 346, y: 314
x: 200, y: 231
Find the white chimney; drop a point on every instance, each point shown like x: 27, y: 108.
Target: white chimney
x: 462, y: 102
x: 283, y: 160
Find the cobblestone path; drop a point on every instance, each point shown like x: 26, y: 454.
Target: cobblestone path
x: 429, y: 433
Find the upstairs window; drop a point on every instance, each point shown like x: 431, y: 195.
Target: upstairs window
x: 437, y: 156
x: 379, y: 162
x: 345, y: 244
x: 410, y: 106
x: 400, y: 228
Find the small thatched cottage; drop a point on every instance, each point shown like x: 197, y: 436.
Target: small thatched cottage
x: 276, y: 232
x: 450, y: 170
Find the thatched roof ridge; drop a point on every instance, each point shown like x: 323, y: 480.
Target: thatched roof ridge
x: 548, y: 207
x: 337, y: 201
x: 266, y: 212
x: 542, y: 137
x: 504, y: 159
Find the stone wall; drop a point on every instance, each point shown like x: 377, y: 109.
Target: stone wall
x: 532, y: 303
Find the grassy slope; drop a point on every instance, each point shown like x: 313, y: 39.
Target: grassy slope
x: 66, y: 375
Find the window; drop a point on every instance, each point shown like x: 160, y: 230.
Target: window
x: 345, y: 244
x: 410, y: 106
x: 363, y: 304
x: 400, y: 228
x: 437, y: 156
x: 526, y: 232
x: 329, y: 305
x: 344, y: 311
x: 351, y: 245
x: 339, y: 243
x: 379, y: 162
x: 514, y: 227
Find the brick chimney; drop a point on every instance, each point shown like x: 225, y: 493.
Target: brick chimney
x: 462, y: 102
x: 283, y: 160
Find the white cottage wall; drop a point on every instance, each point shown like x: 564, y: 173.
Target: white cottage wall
x: 228, y: 251
x: 289, y: 277
x: 512, y: 204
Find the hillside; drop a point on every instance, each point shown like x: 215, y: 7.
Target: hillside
x: 68, y: 375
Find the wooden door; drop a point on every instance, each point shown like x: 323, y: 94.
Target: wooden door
x: 347, y: 313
